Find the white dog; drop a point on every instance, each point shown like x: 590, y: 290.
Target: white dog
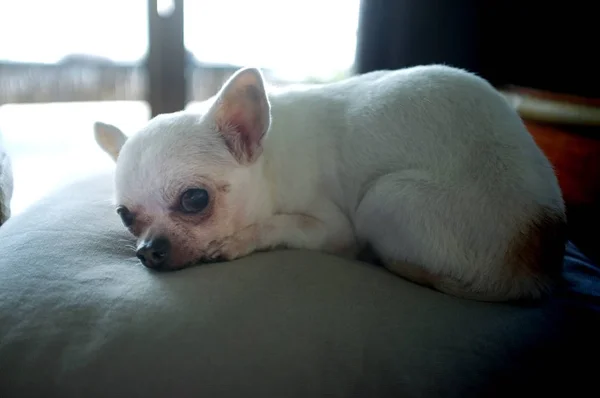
x: 428, y: 167
x: 6, y: 184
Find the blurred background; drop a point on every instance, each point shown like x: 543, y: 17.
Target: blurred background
x: 66, y: 63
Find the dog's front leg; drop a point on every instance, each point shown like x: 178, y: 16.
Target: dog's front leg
x: 292, y: 231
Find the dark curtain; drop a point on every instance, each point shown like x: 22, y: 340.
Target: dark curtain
x: 539, y: 44
x: 399, y: 33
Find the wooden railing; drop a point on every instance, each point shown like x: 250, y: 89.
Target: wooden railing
x: 89, y: 79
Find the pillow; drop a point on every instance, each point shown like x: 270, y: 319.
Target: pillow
x: 80, y: 317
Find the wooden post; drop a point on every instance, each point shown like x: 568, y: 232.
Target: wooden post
x: 166, y: 83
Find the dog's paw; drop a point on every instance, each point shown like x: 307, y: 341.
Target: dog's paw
x: 232, y: 247
x: 213, y: 250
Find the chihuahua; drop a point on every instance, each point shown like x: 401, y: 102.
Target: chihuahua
x: 6, y: 184
x: 427, y: 167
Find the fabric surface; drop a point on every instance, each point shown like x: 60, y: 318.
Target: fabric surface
x: 80, y: 317
x: 582, y: 277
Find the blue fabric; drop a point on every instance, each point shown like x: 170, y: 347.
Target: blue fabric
x: 578, y: 326
x: 581, y: 280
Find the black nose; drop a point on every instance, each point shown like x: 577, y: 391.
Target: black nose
x: 154, y: 253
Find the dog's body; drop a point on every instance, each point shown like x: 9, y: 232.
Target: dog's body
x: 428, y: 166
x: 6, y: 184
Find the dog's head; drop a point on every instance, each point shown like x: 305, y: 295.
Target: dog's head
x: 182, y: 181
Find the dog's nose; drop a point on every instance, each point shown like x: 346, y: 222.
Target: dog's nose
x: 154, y: 253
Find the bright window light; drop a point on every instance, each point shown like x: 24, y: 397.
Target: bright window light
x: 295, y: 39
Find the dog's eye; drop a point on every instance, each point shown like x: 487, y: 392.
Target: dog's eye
x: 126, y: 216
x: 194, y: 200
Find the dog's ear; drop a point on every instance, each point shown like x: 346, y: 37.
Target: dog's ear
x: 109, y: 138
x: 242, y: 113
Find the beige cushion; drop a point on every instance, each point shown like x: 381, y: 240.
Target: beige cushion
x: 80, y: 317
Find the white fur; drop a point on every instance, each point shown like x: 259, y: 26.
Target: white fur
x: 6, y: 184
x: 428, y: 165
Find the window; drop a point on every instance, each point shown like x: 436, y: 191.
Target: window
x: 297, y: 40
x: 66, y: 63
x: 292, y: 41
x: 63, y: 65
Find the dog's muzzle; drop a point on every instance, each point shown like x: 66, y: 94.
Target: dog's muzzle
x: 154, y: 253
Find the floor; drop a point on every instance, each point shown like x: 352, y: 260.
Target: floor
x: 53, y: 144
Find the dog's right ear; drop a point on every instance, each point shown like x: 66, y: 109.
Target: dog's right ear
x: 109, y: 138
x: 242, y: 113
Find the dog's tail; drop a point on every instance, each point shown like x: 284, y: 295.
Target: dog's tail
x: 532, y: 264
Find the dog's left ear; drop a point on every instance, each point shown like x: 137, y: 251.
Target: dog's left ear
x: 242, y: 114
x: 109, y: 138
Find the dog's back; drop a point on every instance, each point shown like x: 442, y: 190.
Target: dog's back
x: 474, y: 195
x: 437, y: 170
